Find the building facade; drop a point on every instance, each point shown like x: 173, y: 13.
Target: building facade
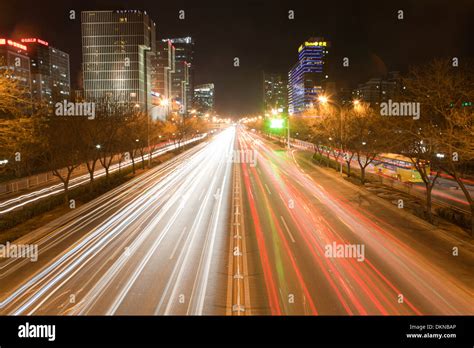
x: 14, y: 57
x: 117, y: 49
x: 309, y: 76
x: 380, y: 89
x: 50, y: 72
x: 182, y: 86
x: 275, y: 93
x: 163, y: 65
x: 162, y: 70
x: 204, y: 98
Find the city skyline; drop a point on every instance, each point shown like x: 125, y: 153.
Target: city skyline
x: 365, y: 39
x: 312, y: 162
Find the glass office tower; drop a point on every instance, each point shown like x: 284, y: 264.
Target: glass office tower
x: 308, y: 76
x: 117, y: 48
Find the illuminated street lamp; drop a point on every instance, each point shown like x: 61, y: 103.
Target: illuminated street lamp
x: 323, y: 99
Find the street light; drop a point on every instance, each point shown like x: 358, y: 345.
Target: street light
x: 323, y: 99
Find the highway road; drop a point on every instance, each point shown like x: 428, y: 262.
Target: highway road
x: 258, y: 232
x: 295, y: 222
x: 155, y: 245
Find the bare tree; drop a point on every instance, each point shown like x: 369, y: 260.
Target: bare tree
x: 62, y: 151
x: 444, y: 91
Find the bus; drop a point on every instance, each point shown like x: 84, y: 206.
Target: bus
x: 398, y: 167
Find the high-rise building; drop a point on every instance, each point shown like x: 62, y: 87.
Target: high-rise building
x: 275, y: 92
x: 204, y: 98
x: 182, y: 86
x: 50, y: 72
x: 162, y: 70
x: 308, y: 77
x: 14, y: 57
x: 162, y: 67
x: 117, y: 49
x: 380, y: 89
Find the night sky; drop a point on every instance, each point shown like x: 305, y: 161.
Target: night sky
x: 262, y: 36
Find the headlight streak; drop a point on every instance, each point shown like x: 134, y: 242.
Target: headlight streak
x: 81, y: 180
x: 421, y: 276
x: 94, y: 243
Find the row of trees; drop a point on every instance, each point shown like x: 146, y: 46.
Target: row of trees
x: 36, y: 141
x: 442, y: 135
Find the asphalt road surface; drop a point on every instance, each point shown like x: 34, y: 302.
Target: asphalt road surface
x: 236, y: 225
x: 155, y: 245
x: 296, y: 225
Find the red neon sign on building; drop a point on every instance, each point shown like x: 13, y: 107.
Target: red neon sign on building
x: 13, y: 44
x: 34, y: 40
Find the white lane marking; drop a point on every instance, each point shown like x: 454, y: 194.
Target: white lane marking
x: 208, y: 256
x: 268, y: 190
x: 185, y: 257
x: 287, y: 229
x: 202, y: 194
x: 281, y: 197
x: 177, y: 243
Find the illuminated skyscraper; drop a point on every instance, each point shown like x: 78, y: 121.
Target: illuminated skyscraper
x: 163, y: 67
x: 275, y: 92
x: 307, y: 78
x: 14, y: 57
x: 50, y: 73
x: 182, y: 86
x: 204, y: 98
x: 162, y: 70
x: 117, y: 48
